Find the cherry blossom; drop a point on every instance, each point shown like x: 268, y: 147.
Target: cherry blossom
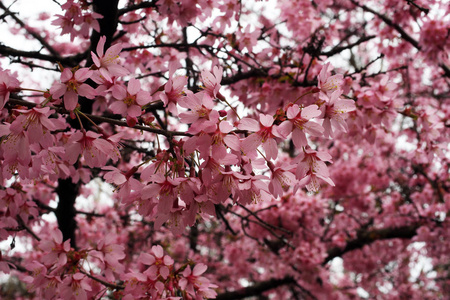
x: 211, y: 81
x: 196, y: 285
x: 72, y: 84
x: 329, y: 84
x: 95, y: 150
x: 311, y: 167
x: 130, y: 100
x: 333, y: 110
x: 56, y: 249
x: 299, y: 122
x: 108, y: 62
x: 201, y: 149
x: 265, y: 134
x: 8, y: 84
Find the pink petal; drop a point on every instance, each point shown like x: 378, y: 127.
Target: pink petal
x: 270, y: 148
x: 292, y: 111
x: 310, y: 112
x: 119, y: 92
x: 313, y: 128
x: 58, y: 89
x: 118, y: 70
x: 70, y: 100
x: 87, y: 91
x: 66, y: 75
x: 134, y: 111
x: 225, y: 127
x: 142, y: 98
x: 284, y: 129
x: 266, y: 120
x: 134, y: 86
x: 113, y: 51
x: 299, y: 138
x: 232, y: 141
x: 344, y: 105
x: 82, y: 74
x: 249, y: 124
x: 251, y: 143
x: 199, y: 269
x: 101, y: 45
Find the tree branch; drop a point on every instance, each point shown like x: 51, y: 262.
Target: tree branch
x: 31, y: 32
x: 256, y: 289
x: 151, y: 4
x: 389, y: 22
x: 102, y: 119
x: 400, y: 30
x: 71, y: 61
x: 336, y: 50
x: 367, y: 237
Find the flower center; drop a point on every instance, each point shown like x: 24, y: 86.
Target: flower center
x: 129, y: 100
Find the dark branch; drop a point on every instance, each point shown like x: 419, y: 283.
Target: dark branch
x: 151, y: 4
x: 367, y: 237
x: 71, y: 61
x: 336, y: 50
x: 256, y: 289
x: 101, y: 119
x: 389, y: 22
x: 31, y: 32
x: 423, y: 9
x: 65, y: 212
x: 254, y: 73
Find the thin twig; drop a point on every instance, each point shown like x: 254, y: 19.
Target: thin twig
x: 105, y: 283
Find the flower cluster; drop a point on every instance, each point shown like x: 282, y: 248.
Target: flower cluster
x: 77, y: 19
x: 162, y: 280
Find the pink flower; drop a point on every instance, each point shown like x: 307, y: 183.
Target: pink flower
x: 311, y: 167
x: 45, y: 285
x: 95, y: 150
x: 38, y: 278
x: 67, y: 26
x: 200, y: 114
x: 196, y: 285
x: 265, y: 132
x: 5, y: 267
x: 108, y: 64
x: 173, y: 92
x: 159, y: 263
x: 37, y: 124
x: 8, y: 84
x: 75, y: 287
x: 124, y: 182
x: 328, y: 84
x: 248, y: 38
x: 211, y: 81
x: 299, y: 122
x: 214, y: 140
x: 230, y: 185
x: 130, y: 100
x: 333, y: 110
x: 15, y: 145
x: 254, y: 190
x: 56, y: 249
x: 165, y: 188
x: 109, y: 253
x: 90, y: 21
x: 281, y: 179
x: 72, y: 85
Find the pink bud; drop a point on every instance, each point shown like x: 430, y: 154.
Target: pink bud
x: 223, y: 113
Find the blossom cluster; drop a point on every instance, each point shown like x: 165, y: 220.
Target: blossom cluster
x: 71, y: 274
x: 238, y: 160
x: 227, y: 159
x: 78, y: 19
